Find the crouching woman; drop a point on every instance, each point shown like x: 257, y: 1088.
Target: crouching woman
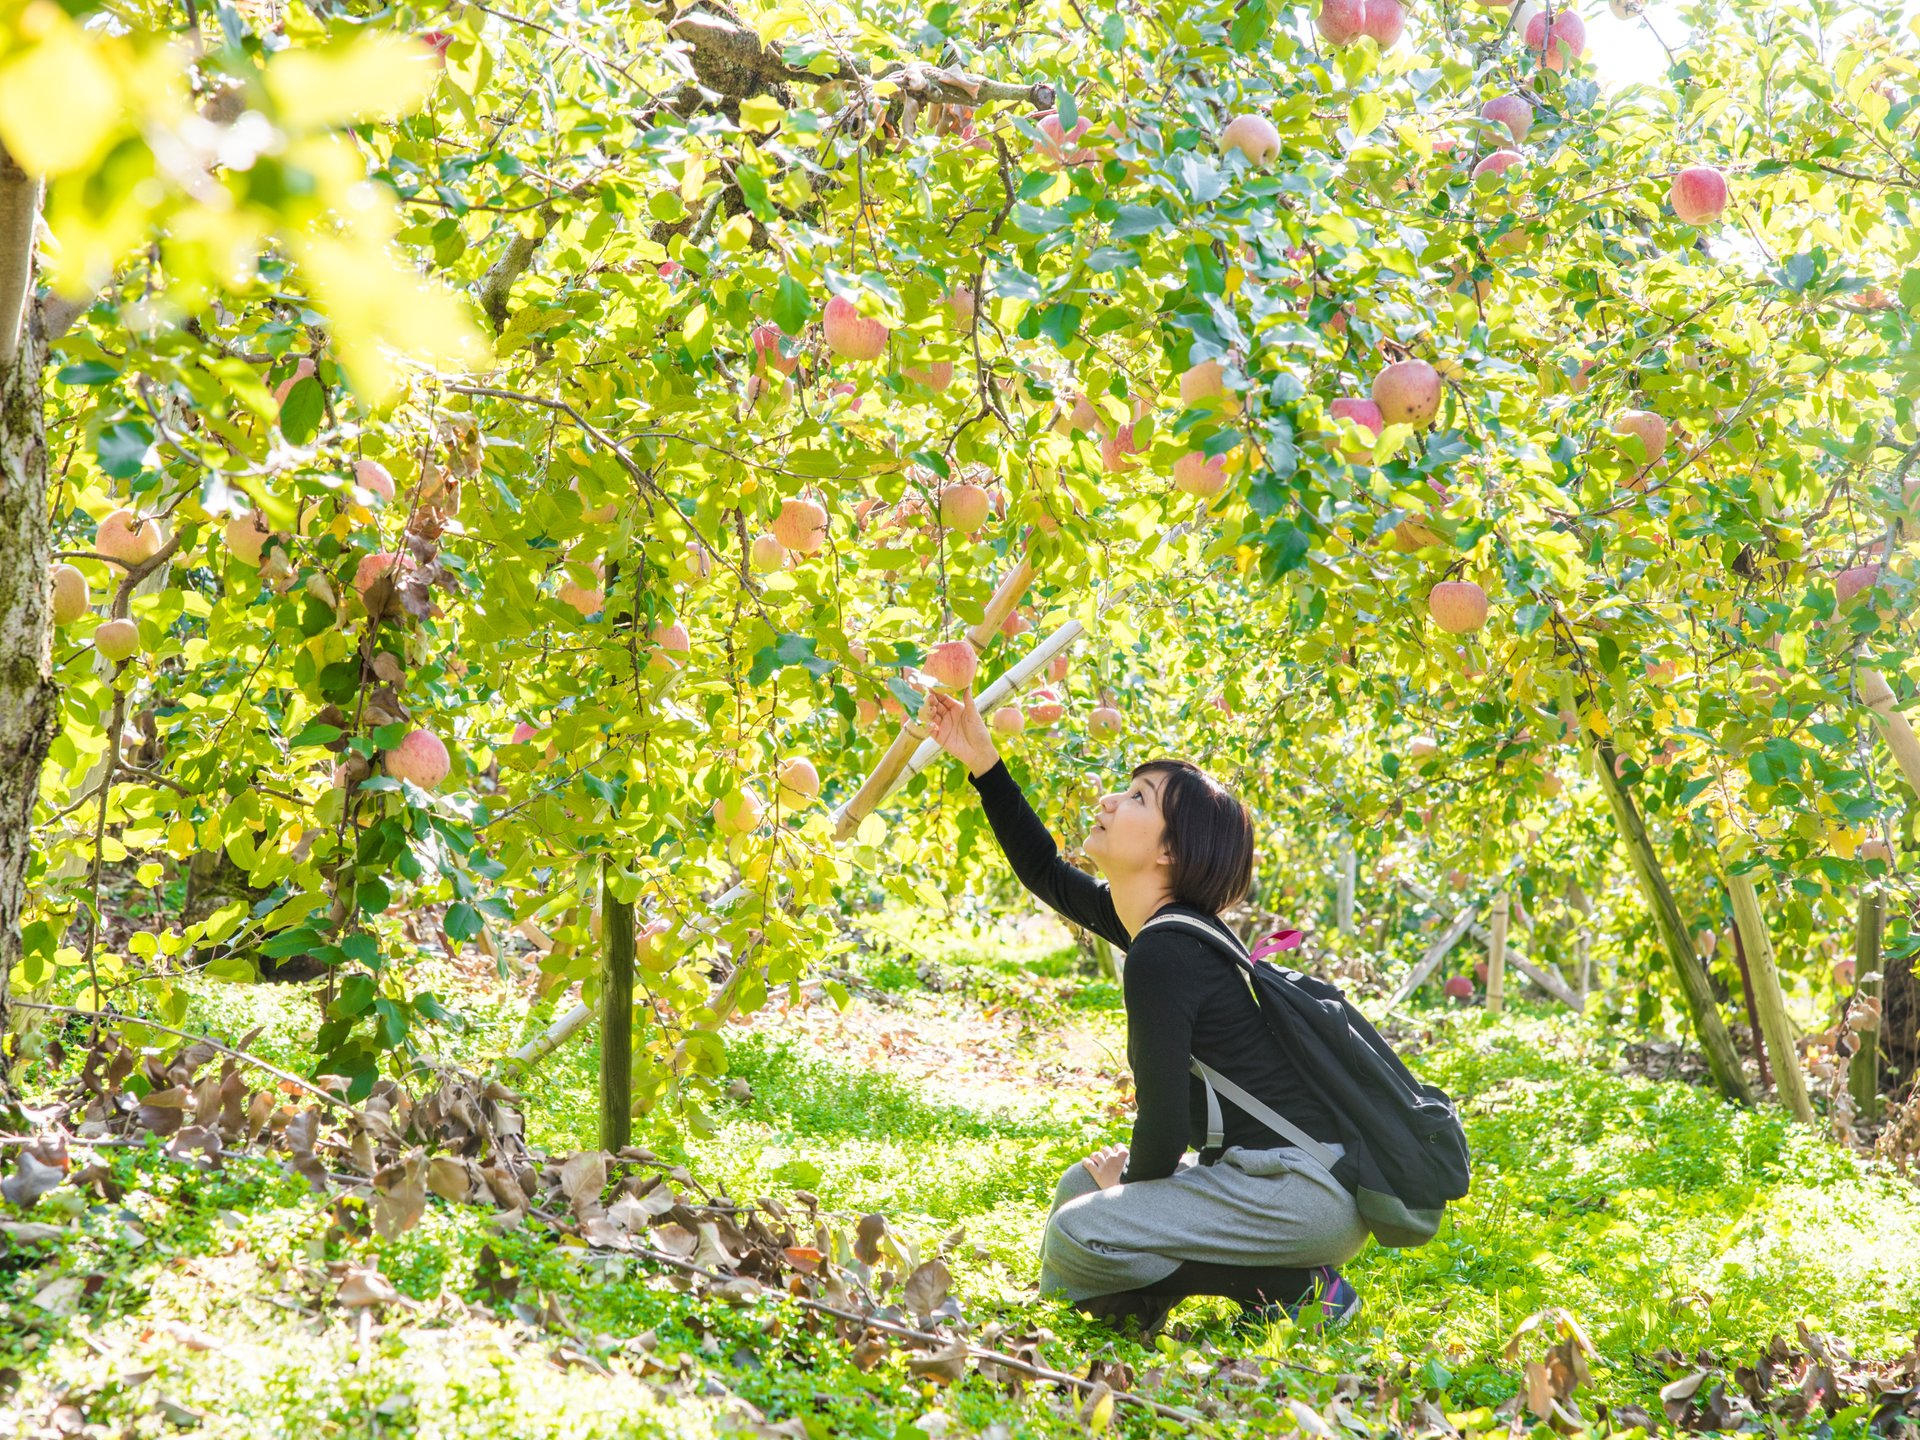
x: 1136, y: 1228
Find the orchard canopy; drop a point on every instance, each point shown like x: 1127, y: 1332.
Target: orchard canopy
x: 502, y: 463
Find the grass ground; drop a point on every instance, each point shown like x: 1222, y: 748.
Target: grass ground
x: 967, y: 1073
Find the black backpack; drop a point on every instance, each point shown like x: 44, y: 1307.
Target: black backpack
x: 1406, y: 1152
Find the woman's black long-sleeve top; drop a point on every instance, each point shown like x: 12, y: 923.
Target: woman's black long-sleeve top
x: 1184, y: 999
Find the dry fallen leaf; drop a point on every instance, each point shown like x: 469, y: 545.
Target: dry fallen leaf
x: 364, y: 1286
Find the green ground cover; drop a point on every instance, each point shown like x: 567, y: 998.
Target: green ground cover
x: 1663, y: 1221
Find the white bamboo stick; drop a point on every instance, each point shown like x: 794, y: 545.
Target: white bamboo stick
x: 892, y: 772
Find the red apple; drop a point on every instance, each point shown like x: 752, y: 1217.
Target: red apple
x: 71, y: 599
x: 1458, y: 606
x: 1341, y: 20
x: 1647, y: 427
x: 1498, y: 163
x: 301, y: 370
x: 1008, y: 720
x: 798, y: 780
x: 371, y: 568
x: 1363, y: 413
x: 1384, y: 21
x: 952, y: 664
x: 1568, y: 41
x: 420, y: 757
x: 1408, y: 393
x: 738, y: 813
x: 1052, y: 151
x: 936, y: 375
x: 122, y: 536
x: 851, y: 335
x: 1253, y: 136
x: 1057, y: 667
x: 801, y: 525
x: 1105, y: 720
x: 245, y: 537
x: 767, y: 353
x: 1458, y: 989
x: 766, y: 553
x: 1422, y: 747
x: 1512, y: 112
x: 671, y: 642
x: 1698, y: 194
x: 964, y: 506
x: 1045, y: 708
x: 1851, y: 581
x: 1195, y: 474
x: 117, y: 640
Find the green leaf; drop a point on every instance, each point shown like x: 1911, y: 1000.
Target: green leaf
x: 302, y: 411
x: 87, y: 372
x: 463, y: 922
x: 122, y: 448
x: 1130, y: 221
x: 315, y: 734
x: 788, y: 650
x: 792, y: 306
x: 1367, y: 110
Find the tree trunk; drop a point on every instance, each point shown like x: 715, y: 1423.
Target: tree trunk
x: 29, y: 702
x: 1763, y: 984
x: 1497, y: 954
x: 1863, y: 1077
x: 616, y: 1023
x: 1722, y: 1059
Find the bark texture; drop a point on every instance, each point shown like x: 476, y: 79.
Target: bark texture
x: 1722, y: 1059
x: 29, y: 709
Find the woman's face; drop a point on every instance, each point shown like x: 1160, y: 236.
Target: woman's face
x: 1128, y: 830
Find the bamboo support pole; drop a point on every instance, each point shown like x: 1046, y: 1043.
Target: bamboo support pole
x: 902, y: 760
x: 1497, y: 953
x: 1894, y: 728
x: 1863, y: 1074
x: 1001, y: 604
x: 1789, y: 1082
x: 1715, y: 1039
x: 1430, y: 962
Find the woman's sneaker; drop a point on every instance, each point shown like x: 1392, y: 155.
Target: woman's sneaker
x: 1331, y: 1304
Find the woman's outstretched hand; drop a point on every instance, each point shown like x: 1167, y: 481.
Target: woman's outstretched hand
x: 955, y: 722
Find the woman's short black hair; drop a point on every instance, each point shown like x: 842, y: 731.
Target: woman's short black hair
x: 1209, y: 832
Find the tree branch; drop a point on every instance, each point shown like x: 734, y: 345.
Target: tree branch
x: 497, y: 283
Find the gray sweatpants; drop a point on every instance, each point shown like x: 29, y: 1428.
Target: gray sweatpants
x: 1252, y: 1207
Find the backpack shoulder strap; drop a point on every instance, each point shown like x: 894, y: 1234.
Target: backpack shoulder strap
x: 1265, y: 1114
x: 1222, y: 938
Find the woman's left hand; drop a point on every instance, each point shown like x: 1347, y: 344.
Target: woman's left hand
x: 1105, y: 1165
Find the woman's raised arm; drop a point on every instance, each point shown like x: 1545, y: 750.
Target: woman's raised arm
x: 955, y: 722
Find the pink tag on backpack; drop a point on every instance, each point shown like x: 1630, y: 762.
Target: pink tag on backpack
x: 1277, y: 941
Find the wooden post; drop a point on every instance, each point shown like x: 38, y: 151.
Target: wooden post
x: 902, y: 760
x: 1497, y: 953
x: 1753, y: 1010
x: 1722, y: 1059
x: 1545, y: 976
x: 1863, y: 1076
x: 1348, y: 864
x: 616, y: 1019
x: 1788, y: 1080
